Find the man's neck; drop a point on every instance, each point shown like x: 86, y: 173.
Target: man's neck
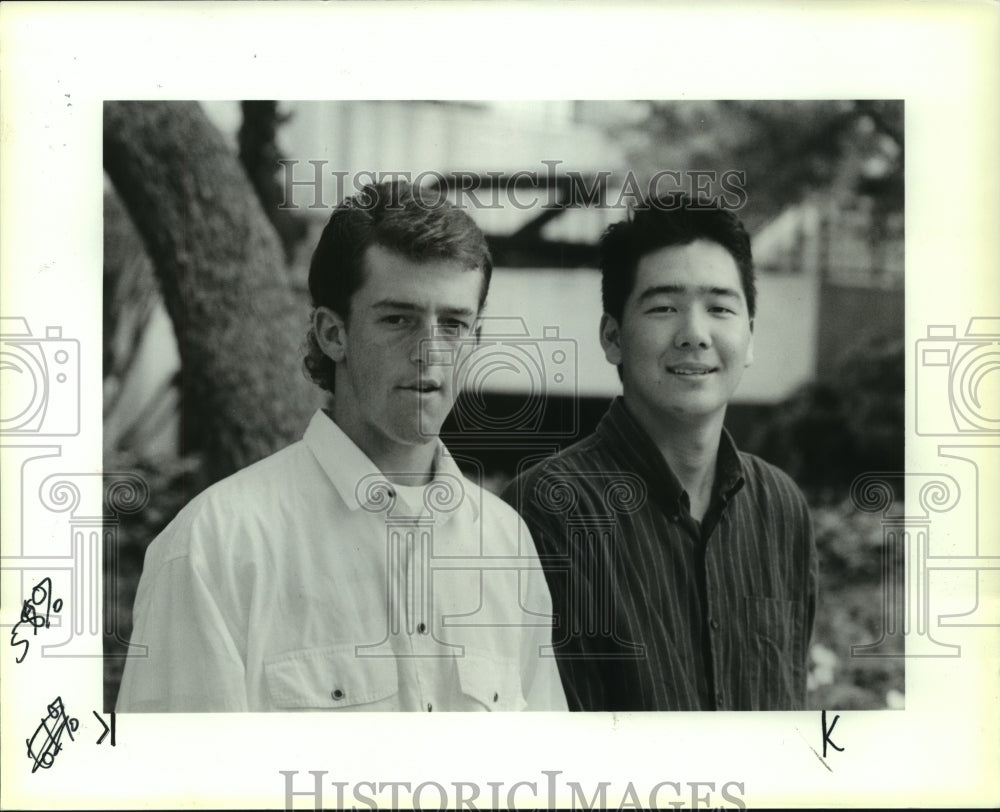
x: 690, y: 448
x: 400, y: 464
x: 409, y: 465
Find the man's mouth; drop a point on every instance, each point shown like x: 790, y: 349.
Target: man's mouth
x: 691, y: 369
x: 423, y: 387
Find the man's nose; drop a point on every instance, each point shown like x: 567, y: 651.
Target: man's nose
x: 693, y: 332
x: 431, y: 346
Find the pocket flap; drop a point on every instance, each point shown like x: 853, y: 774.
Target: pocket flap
x: 778, y: 622
x: 333, y: 677
x: 494, y: 682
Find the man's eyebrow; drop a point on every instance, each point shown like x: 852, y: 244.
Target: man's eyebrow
x: 669, y: 290
x: 458, y: 311
x: 396, y: 304
x: 413, y: 307
x: 728, y: 292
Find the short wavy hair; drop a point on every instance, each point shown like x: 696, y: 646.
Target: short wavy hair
x: 396, y: 216
x: 676, y: 219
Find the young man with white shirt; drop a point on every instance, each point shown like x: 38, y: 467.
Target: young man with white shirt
x: 355, y: 569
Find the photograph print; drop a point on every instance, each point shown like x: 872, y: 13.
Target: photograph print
x: 507, y: 406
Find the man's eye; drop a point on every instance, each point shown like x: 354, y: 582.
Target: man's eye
x: 722, y: 309
x: 662, y: 309
x: 453, y: 327
x: 395, y: 320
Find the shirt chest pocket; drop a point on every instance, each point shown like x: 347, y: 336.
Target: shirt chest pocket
x: 332, y: 678
x: 490, y: 683
x: 776, y: 653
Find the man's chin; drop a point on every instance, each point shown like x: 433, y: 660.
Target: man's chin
x: 418, y: 425
x: 427, y: 430
x: 429, y: 422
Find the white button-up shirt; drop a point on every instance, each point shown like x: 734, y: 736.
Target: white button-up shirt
x: 308, y: 582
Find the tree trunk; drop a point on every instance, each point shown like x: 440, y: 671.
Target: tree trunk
x: 259, y: 155
x: 221, y: 271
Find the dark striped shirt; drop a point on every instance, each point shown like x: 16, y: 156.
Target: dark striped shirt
x: 654, y: 610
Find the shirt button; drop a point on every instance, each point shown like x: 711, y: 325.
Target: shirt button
x: 675, y: 518
x: 337, y: 694
x: 714, y: 623
x: 496, y: 697
x: 718, y: 699
x: 430, y: 707
x: 422, y: 628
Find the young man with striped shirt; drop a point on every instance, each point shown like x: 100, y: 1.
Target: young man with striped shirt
x: 683, y: 571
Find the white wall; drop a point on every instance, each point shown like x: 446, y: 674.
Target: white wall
x: 785, y: 335
x: 570, y: 302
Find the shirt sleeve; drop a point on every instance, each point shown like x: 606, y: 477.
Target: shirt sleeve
x: 191, y: 662
x: 579, y: 673
x: 540, y: 680
x: 812, y: 578
x: 805, y: 587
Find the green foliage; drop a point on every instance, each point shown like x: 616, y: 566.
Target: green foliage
x: 850, y: 613
x: 872, y: 379
x: 832, y: 430
x: 824, y: 436
x: 786, y: 149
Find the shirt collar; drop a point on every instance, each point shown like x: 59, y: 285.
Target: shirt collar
x: 729, y: 476
x: 630, y: 442
x: 361, y: 484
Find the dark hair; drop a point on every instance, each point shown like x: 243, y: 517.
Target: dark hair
x: 394, y: 216
x: 658, y: 223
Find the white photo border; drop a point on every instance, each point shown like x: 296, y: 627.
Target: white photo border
x: 60, y: 62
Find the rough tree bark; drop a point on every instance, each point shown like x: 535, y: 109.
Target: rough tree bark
x: 259, y: 154
x: 220, y: 267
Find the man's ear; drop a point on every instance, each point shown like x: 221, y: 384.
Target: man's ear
x: 331, y: 333
x: 611, y: 339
